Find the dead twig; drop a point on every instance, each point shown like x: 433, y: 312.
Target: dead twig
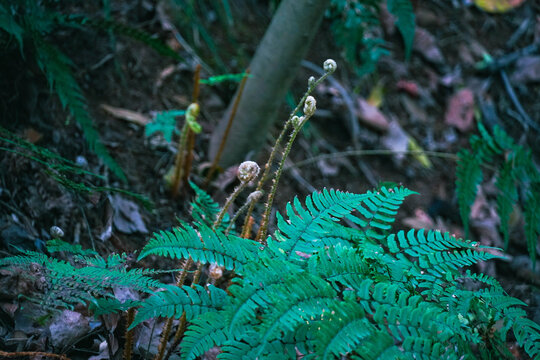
x: 32, y: 354
x: 525, y: 120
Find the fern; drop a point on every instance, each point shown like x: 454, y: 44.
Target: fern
x: 365, y: 293
x: 516, y: 174
x: 123, y: 29
x: 204, y: 245
x: 56, y: 67
x: 175, y: 301
x: 368, y: 297
x: 205, y: 210
x: 164, y: 122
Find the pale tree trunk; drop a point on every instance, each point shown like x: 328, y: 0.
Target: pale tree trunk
x: 273, y: 69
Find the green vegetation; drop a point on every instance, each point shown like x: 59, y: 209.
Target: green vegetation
x: 334, y: 279
x: 31, y: 23
x: 518, y: 181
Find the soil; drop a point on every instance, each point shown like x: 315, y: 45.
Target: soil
x: 126, y: 74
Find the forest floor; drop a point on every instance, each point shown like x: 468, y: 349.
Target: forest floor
x: 433, y: 98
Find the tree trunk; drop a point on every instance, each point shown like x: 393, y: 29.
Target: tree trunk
x: 273, y: 69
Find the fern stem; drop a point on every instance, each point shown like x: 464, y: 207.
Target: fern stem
x: 263, y: 229
x: 181, y: 279
x: 196, y: 85
x: 244, y: 207
x: 268, y: 165
x: 32, y: 354
x: 227, y: 129
x: 129, y: 334
x: 177, y: 336
x: 164, y: 339
x: 179, y: 162
x: 182, y: 325
x: 228, y: 203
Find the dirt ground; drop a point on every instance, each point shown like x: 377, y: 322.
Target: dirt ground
x: 432, y: 99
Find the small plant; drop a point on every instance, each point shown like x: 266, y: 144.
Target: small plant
x: 317, y: 287
x: 517, y: 179
x: 354, y: 21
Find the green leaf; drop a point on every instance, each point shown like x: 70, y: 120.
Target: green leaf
x: 9, y: 25
x: 404, y: 12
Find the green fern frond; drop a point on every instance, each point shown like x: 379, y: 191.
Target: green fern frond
x: 56, y: 67
x: 174, y: 301
x: 378, y: 211
x: 57, y: 245
x: 215, y: 80
x: 294, y: 302
x: 506, y: 198
x: 126, y: 30
x: 110, y: 305
x: 9, y: 24
x: 301, y: 234
x: 468, y: 177
x: 204, y: 332
x: 66, y: 285
x: 532, y: 221
x: 344, y: 328
x: 517, y: 174
x: 340, y: 265
x: 204, y: 209
x: 303, y: 230
x: 422, y: 348
x: 202, y: 245
x: 404, y: 13
x: 249, y: 294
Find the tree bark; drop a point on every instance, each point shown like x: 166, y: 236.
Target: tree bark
x: 273, y: 69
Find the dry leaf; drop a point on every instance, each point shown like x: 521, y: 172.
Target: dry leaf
x: 125, y: 114
x: 127, y: 218
x: 371, y: 116
x: 32, y: 135
x: 410, y: 87
x: 527, y: 70
x: 426, y: 44
x: 376, y: 96
x: 397, y: 140
x: 66, y: 327
x: 460, y: 111
x: 419, y: 154
x: 498, y: 6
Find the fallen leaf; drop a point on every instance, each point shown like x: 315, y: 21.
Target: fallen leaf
x: 371, y: 115
x: 426, y: 44
x: 527, y: 70
x: 376, y: 96
x: 125, y: 114
x: 416, y: 113
x: 397, y: 140
x: 420, y: 220
x: 410, y: 87
x: 32, y: 135
x: 460, y: 110
x: 127, y: 218
x: 419, y: 154
x: 498, y: 6
x: 66, y: 327
x: 328, y: 167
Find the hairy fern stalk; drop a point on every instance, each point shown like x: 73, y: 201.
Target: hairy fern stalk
x: 319, y: 288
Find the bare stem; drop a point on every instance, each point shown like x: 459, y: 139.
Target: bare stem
x: 227, y: 129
